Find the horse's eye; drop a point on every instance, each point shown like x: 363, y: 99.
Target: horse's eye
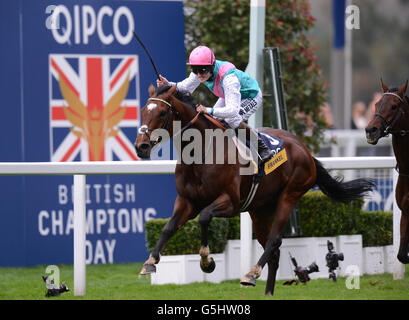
x: 162, y: 114
x: 394, y: 107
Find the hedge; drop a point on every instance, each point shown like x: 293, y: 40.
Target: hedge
x: 319, y: 215
x: 322, y: 217
x: 187, y: 239
x: 376, y: 228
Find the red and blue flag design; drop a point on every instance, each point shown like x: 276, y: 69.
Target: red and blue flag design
x: 94, y: 107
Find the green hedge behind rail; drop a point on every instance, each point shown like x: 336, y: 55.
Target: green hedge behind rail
x: 319, y: 215
x: 187, y: 239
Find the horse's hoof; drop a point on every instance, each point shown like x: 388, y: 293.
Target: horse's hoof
x: 210, y: 267
x: 248, y: 281
x: 148, y: 269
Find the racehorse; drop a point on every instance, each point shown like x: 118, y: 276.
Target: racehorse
x: 219, y: 190
x: 392, y: 117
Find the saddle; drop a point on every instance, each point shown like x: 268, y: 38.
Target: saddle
x: 273, y: 143
x: 280, y: 156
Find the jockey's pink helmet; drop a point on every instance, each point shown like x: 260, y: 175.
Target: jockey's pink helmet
x: 201, y: 56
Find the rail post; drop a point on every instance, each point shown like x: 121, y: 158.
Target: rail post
x: 79, y: 235
x: 399, y: 268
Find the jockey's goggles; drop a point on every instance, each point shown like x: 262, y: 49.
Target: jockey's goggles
x: 201, y: 69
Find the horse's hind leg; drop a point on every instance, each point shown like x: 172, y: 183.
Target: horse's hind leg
x: 285, y: 204
x: 221, y: 207
x: 262, y: 224
x: 182, y: 212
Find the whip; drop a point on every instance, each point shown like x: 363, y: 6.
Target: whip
x: 147, y: 52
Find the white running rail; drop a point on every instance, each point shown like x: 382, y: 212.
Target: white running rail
x: 79, y: 170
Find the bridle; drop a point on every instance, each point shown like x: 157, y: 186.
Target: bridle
x: 387, y: 127
x: 145, y: 130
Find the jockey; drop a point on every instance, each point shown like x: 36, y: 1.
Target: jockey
x: 239, y: 94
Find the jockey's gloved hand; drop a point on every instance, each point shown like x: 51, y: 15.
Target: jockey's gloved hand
x: 162, y: 81
x: 203, y: 109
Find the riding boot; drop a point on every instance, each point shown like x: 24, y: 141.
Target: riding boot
x: 264, y: 152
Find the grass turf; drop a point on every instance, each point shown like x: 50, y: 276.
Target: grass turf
x: 121, y: 282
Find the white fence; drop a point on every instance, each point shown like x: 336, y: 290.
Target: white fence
x: 353, y: 143
x: 80, y: 169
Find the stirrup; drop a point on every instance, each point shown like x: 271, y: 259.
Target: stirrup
x: 262, y: 148
x: 264, y: 160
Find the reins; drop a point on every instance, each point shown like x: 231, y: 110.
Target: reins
x: 145, y: 130
x: 214, y: 121
x: 191, y: 122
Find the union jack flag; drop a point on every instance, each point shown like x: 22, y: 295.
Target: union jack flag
x: 94, y: 107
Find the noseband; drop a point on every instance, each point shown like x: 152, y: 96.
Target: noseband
x: 388, y: 126
x: 144, y: 128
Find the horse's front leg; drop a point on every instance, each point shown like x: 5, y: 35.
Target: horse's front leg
x: 221, y: 207
x: 403, y: 256
x: 182, y: 212
x: 402, y: 199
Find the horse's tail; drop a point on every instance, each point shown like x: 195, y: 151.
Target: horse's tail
x: 341, y: 191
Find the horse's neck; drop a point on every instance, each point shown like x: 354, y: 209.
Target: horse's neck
x: 201, y: 144
x: 401, y: 149
x: 184, y: 130
x: 187, y: 114
x: 400, y: 146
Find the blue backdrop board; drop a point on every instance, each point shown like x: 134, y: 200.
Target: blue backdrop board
x: 72, y: 81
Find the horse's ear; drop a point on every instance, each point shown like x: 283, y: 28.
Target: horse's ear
x: 402, y: 89
x: 384, y: 86
x: 151, y: 90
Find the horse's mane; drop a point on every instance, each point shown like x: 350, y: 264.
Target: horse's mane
x: 183, y: 96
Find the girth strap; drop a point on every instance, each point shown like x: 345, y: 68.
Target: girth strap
x: 252, y: 193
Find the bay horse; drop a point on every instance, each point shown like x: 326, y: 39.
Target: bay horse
x: 219, y: 190
x: 392, y: 117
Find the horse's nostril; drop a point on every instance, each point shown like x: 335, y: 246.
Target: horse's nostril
x: 371, y: 130
x: 144, y: 146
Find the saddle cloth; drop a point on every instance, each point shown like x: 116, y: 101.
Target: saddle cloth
x: 280, y: 156
x: 274, y: 144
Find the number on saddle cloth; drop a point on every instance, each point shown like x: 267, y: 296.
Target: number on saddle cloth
x: 276, y: 145
x: 273, y: 143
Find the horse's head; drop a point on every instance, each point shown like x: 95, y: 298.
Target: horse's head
x: 391, y: 114
x: 158, y: 113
